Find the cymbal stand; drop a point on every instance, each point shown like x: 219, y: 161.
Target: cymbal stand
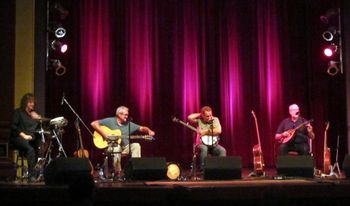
x: 60, y: 147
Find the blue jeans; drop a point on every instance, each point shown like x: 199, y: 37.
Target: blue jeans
x: 204, y: 150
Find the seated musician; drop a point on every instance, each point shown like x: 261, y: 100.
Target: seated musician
x: 24, y: 124
x: 291, y: 139
x: 121, y: 123
x: 209, y: 128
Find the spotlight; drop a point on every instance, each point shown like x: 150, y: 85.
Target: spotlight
x: 330, y: 50
x: 57, y: 45
x: 58, y: 30
x: 333, y: 68
x: 329, y: 34
x: 58, y: 67
x: 328, y: 15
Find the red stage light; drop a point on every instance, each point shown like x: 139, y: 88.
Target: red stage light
x: 330, y: 50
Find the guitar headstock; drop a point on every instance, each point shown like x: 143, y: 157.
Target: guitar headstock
x: 327, y: 125
x: 175, y: 119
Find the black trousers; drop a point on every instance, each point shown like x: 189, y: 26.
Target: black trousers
x: 29, y: 148
x: 301, y: 148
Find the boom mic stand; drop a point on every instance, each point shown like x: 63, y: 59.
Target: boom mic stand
x: 77, y: 116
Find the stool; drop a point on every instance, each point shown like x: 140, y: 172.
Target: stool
x: 21, y: 164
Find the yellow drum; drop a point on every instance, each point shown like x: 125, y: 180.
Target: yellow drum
x: 173, y: 171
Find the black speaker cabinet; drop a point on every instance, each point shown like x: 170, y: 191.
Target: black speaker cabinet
x: 295, y: 166
x: 146, y: 168
x: 67, y: 171
x: 222, y: 168
x: 346, y: 166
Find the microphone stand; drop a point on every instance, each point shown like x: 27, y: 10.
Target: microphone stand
x: 77, y: 116
x: 129, y: 135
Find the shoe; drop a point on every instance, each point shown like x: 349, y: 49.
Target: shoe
x: 31, y: 179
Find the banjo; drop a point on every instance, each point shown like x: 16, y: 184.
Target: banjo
x: 207, y: 140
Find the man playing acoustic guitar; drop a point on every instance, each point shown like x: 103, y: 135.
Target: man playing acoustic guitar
x: 118, y: 128
x: 293, y: 133
x: 208, y: 130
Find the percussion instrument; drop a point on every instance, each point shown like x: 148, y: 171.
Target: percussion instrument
x: 59, y: 122
x: 173, y: 171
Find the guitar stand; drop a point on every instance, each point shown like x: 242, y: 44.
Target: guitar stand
x: 254, y: 174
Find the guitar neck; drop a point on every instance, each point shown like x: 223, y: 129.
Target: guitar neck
x: 187, y: 125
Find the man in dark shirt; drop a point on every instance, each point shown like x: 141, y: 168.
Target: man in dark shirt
x: 291, y: 139
x: 23, y: 126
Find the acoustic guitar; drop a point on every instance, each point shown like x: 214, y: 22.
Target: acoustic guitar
x: 257, y: 152
x: 326, y: 153
x: 116, y: 136
x: 291, y: 132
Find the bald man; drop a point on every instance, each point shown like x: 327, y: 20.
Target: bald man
x: 291, y: 139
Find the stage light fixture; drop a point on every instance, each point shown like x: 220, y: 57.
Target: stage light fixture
x: 328, y: 15
x: 58, y: 67
x: 333, y: 68
x: 329, y: 34
x: 58, y: 45
x: 58, y: 30
x: 330, y: 50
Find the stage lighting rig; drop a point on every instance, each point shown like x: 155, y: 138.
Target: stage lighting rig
x: 332, y: 18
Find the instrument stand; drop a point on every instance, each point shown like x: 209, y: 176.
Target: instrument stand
x: 41, y: 162
x: 336, y: 164
x: 60, y: 147
x: 254, y: 174
x: 193, y: 172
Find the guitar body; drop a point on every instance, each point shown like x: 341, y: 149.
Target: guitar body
x: 81, y: 153
x: 100, y: 142
x: 258, y: 160
x: 326, y: 153
x: 114, y: 135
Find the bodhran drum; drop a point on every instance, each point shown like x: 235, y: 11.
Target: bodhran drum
x: 173, y: 171
x: 59, y: 122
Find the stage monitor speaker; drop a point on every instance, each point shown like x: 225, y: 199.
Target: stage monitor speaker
x: 346, y: 166
x: 67, y: 171
x: 222, y: 168
x: 146, y: 168
x: 295, y: 166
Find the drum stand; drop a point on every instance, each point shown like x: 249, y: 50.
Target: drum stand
x: 41, y: 162
x: 60, y: 147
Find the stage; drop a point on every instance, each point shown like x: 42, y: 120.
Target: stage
x: 268, y: 190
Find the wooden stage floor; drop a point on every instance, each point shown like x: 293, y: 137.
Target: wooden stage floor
x: 268, y: 190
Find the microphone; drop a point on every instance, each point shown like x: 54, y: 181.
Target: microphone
x: 62, y: 101
x: 297, y: 113
x: 129, y: 119
x: 211, y: 121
